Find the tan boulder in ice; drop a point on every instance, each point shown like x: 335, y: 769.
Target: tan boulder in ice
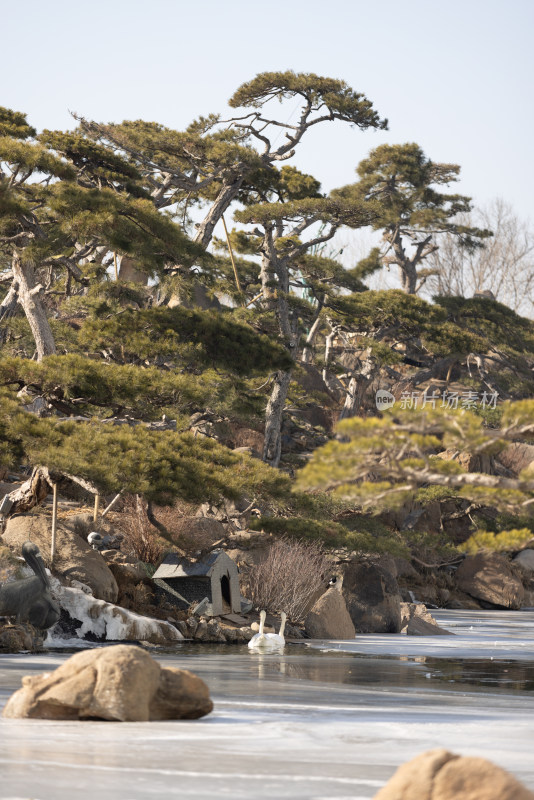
x: 441, y: 775
x: 120, y: 683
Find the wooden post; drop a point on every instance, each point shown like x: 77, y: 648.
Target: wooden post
x: 97, y: 506
x: 239, y: 289
x: 54, y: 522
x: 115, y: 499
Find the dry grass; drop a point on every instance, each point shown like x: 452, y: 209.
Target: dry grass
x: 288, y: 577
x: 141, y: 540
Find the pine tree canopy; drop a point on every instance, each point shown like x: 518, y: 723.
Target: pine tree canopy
x: 192, y: 337
x: 89, y: 198
x: 96, y: 165
x: 160, y: 465
x: 399, y: 450
x: 451, y: 326
x: 333, y: 99
x: 400, y: 181
x: 14, y: 124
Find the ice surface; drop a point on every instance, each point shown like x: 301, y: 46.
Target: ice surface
x: 307, y: 724
x: 478, y: 634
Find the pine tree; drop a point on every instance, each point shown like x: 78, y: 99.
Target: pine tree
x: 413, y: 213
x: 56, y: 216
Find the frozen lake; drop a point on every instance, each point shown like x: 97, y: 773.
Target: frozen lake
x: 323, y: 720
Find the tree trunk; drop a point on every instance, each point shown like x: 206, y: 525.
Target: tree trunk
x: 207, y: 226
x: 307, y: 351
x: 357, y: 386
x: 7, y: 308
x: 408, y: 278
x: 29, y: 299
x: 272, y: 448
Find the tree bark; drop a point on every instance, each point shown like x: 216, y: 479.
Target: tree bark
x: 408, y: 277
x: 7, y: 308
x: 307, y: 351
x: 29, y: 298
x: 357, y: 386
x: 272, y: 448
x: 207, y: 226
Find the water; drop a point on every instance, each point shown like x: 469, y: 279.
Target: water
x: 323, y: 720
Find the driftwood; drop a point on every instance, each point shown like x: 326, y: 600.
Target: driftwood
x: 36, y: 489
x: 32, y: 492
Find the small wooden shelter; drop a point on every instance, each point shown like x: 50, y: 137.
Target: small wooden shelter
x: 188, y: 582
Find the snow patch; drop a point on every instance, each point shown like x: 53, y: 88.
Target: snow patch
x: 105, y: 621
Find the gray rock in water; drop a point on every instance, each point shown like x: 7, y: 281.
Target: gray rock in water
x: 418, y: 621
x: 329, y: 618
x: 373, y: 598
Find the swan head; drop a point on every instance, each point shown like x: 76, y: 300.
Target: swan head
x: 283, y: 617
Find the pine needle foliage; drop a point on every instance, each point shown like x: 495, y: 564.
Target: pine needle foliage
x: 381, y: 462
x: 160, y: 465
x: 192, y: 337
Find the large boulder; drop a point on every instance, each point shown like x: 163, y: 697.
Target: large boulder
x: 329, y: 618
x: 373, y: 598
x: 74, y: 560
x: 488, y: 577
x: 516, y: 457
x: 440, y: 775
x: 121, y: 683
x: 525, y: 559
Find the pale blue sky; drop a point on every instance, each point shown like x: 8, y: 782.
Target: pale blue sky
x: 453, y: 76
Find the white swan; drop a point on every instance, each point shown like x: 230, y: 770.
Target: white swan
x: 267, y: 642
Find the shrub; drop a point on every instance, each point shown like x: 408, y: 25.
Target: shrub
x: 289, y: 576
x: 140, y: 538
x: 498, y: 542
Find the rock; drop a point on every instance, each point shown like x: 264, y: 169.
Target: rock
x: 525, y: 559
x: 458, y: 600
x: 404, y: 568
x: 481, y: 462
x: 201, y: 632
x: 182, y: 627
x: 418, y: 621
x: 121, y: 683
x: 516, y: 457
x: 372, y: 597
x: 197, y: 533
x: 19, y: 637
x: 74, y: 559
x: 441, y: 775
x: 89, y: 618
x: 127, y: 573
x: 215, y: 632
x: 329, y: 618
x: 488, y: 577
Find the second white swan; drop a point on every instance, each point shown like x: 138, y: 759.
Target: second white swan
x: 267, y: 642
